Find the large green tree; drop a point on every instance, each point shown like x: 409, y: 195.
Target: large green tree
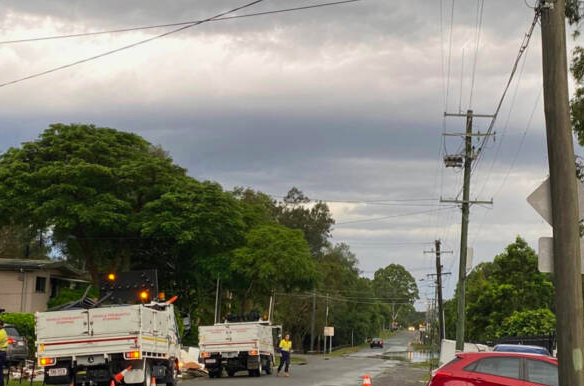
x: 398, y: 288
x: 495, y: 290
x: 102, y: 192
x: 273, y: 258
x: 314, y: 219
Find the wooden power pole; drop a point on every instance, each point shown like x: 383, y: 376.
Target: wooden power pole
x: 466, y: 159
x: 564, y: 197
x: 439, y: 274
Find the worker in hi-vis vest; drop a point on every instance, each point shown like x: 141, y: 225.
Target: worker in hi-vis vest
x: 3, y: 348
x: 285, y: 348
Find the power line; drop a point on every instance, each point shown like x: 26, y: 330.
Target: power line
x: 449, y: 56
x: 506, y: 126
x: 394, y: 216
x: 120, y: 30
x: 129, y: 45
x: 478, y: 41
x: 522, y: 49
x: 184, y: 27
x: 537, y: 102
x: 385, y: 201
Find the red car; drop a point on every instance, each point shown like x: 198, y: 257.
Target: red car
x: 497, y: 369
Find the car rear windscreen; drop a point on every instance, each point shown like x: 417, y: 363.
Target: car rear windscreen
x: 12, y: 332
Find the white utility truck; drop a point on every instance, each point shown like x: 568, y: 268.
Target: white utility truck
x: 98, y: 346
x: 238, y: 346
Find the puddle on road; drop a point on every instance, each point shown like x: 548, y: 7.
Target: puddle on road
x: 410, y: 356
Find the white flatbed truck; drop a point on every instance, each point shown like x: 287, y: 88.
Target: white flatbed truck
x: 240, y: 346
x: 98, y: 346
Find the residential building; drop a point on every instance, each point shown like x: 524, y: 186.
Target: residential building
x: 27, y: 285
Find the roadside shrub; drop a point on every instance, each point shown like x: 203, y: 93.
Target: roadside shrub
x: 25, y: 325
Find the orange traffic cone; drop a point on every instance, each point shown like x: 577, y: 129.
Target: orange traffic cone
x: 366, y: 380
x: 112, y: 383
x: 153, y: 382
x: 120, y: 376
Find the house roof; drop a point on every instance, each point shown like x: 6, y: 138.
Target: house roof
x: 28, y: 265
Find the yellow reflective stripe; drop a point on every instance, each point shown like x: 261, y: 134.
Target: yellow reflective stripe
x: 155, y: 339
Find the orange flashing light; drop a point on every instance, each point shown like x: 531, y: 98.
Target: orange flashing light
x: 111, y: 277
x: 132, y: 355
x: 144, y: 295
x: 205, y: 355
x: 47, y: 361
x: 253, y: 352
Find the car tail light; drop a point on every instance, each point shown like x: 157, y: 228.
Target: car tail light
x: 47, y: 361
x: 132, y: 355
x: 11, y: 341
x: 205, y: 355
x: 253, y: 352
x: 442, y: 373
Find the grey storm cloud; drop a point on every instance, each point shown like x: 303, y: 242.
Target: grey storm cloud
x: 343, y: 102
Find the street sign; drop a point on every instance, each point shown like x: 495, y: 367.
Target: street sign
x: 541, y: 200
x: 329, y: 331
x: 545, y: 259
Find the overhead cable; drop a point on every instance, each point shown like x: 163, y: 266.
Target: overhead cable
x: 395, y: 216
x: 142, y: 28
x: 144, y: 41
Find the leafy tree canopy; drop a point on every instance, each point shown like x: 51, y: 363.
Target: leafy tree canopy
x: 273, y: 257
x: 494, y: 291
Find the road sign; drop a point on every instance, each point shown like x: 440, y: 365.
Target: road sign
x: 329, y: 331
x: 545, y: 259
x: 541, y: 200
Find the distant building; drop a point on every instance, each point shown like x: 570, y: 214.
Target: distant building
x: 27, y: 285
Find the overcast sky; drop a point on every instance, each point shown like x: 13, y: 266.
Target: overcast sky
x: 343, y: 102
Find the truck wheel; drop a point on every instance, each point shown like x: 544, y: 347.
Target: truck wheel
x: 268, y: 367
x: 258, y: 372
x: 230, y: 373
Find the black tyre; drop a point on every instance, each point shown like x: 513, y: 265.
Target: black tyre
x: 230, y: 373
x: 268, y: 366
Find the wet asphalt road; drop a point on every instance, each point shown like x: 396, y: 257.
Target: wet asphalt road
x: 341, y: 371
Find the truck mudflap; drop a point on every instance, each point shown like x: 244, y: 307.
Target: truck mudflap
x: 138, y: 372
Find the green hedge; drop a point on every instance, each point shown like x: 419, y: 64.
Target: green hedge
x: 25, y: 325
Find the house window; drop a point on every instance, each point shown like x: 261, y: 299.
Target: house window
x: 41, y: 284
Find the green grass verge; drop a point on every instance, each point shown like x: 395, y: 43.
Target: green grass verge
x: 345, y: 351
x: 24, y: 383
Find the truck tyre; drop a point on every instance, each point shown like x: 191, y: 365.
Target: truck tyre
x: 230, y: 373
x: 268, y: 365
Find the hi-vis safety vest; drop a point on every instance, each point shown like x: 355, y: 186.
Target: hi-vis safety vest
x: 3, y: 340
x: 286, y: 345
